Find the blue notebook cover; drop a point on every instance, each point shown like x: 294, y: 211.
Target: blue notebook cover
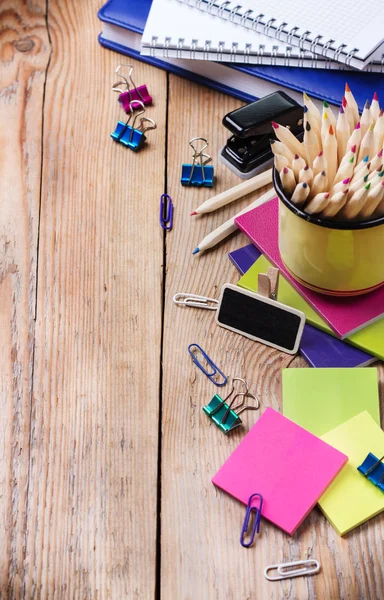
x: 320, y: 349
x: 319, y: 83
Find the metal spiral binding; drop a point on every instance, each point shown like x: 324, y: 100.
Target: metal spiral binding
x: 246, y: 18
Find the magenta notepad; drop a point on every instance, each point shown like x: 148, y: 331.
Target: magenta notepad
x: 344, y: 315
x: 290, y: 467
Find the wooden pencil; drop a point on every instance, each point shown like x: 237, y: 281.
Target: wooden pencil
x: 366, y: 118
x: 377, y: 161
x: 366, y: 145
x: 349, y: 113
x: 331, y: 117
x: 362, y: 164
x: 319, y: 163
x: 343, y: 133
x: 352, y: 103
x: 358, y: 184
x: 355, y: 138
x: 319, y: 184
x: 314, y: 123
x: 279, y: 148
x: 288, y: 180
x: 306, y: 175
x: 342, y: 186
x: 281, y: 162
x: 375, y: 196
x: 355, y: 203
x: 297, y: 164
x: 300, y: 194
x: 378, y: 133
x: 311, y: 144
x: 330, y: 153
x: 344, y: 171
x: 348, y: 155
x: 375, y: 107
x: 335, y: 204
x: 318, y: 203
x: 324, y: 127
x: 313, y: 111
x: 286, y: 136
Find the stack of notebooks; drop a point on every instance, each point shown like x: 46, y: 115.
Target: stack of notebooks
x: 339, y: 332
x: 249, y: 51
x: 312, y: 452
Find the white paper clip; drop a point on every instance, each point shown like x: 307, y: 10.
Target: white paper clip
x: 196, y: 301
x: 284, y: 570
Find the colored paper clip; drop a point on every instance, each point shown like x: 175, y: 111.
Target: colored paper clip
x: 373, y: 469
x: 198, y: 173
x: 195, y: 301
x: 289, y: 569
x: 223, y: 413
x: 131, y: 137
x: 166, y: 212
x: 131, y: 92
x: 256, y: 525
x: 210, y: 363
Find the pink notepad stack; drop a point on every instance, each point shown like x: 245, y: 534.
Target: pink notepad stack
x: 344, y: 315
x: 289, y: 466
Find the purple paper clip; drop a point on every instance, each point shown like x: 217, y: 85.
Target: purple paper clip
x: 256, y: 525
x: 166, y: 212
x: 131, y: 92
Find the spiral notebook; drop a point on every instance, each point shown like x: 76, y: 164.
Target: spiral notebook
x: 177, y: 30
x: 347, y: 32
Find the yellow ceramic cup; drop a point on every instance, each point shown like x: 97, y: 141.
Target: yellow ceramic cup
x: 330, y: 257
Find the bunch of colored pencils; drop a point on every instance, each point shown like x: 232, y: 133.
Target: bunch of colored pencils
x: 337, y: 171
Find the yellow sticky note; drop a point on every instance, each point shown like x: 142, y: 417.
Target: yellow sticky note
x: 352, y: 499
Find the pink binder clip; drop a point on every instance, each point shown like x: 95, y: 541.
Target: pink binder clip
x: 128, y: 91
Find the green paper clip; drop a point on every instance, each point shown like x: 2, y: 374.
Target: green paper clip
x: 223, y: 413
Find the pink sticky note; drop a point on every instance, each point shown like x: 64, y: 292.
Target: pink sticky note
x: 344, y: 315
x: 290, y: 467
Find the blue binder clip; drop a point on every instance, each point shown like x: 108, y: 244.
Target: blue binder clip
x: 130, y: 136
x: 198, y: 173
x: 373, y: 469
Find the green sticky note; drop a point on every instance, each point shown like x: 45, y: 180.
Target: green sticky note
x: 352, y: 499
x: 370, y: 339
x: 321, y: 399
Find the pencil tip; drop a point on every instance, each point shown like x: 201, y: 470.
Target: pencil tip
x: 341, y: 109
x: 306, y: 97
x: 375, y: 96
x: 272, y: 141
x: 351, y: 159
x: 358, y: 125
x: 381, y: 112
x: 325, y: 104
x: 365, y: 159
x: 323, y: 173
x: 368, y: 186
x: 366, y: 177
x: 346, y: 181
x: 326, y: 195
x: 367, y: 104
x: 196, y: 250
x: 193, y: 213
x: 296, y: 156
x: 308, y: 126
x: 344, y: 101
x: 331, y: 130
x: 320, y: 153
x: 305, y: 185
x: 371, y: 127
x: 347, y: 88
x: 285, y: 170
x: 380, y: 154
x: 275, y: 125
x: 305, y: 109
x: 353, y: 149
x: 306, y: 167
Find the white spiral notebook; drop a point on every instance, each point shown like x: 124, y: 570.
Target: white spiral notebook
x: 349, y: 32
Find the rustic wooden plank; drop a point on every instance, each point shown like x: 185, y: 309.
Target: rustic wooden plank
x: 94, y: 430
x: 24, y: 55
x: 201, y: 553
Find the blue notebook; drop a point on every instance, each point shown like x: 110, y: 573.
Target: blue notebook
x: 123, y: 25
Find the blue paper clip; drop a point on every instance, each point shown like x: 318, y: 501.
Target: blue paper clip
x: 373, y: 469
x: 256, y: 525
x: 215, y: 368
x: 198, y: 173
x: 130, y: 136
x: 166, y: 212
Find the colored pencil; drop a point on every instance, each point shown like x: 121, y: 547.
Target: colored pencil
x: 279, y: 148
x: 281, y: 162
x: 342, y: 186
x: 219, y: 234
x: 335, y: 204
x: 330, y: 153
x: 343, y: 133
x: 311, y: 144
x: 355, y: 203
x: 352, y: 103
x: 314, y: 123
x: 306, y: 175
x: 348, y: 155
x: 288, y: 180
x: 318, y: 203
x: 234, y: 193
x: 377, y: 161
x: 375, y: 195
x: 344, y: 171
x: 355, y: 138
x: 286, y: 136
x: 349, y: 112
x: 298, y: 163
x: 378, y: 133
x: 319, y: 163
x: 313, y: 111
x: 300, y: 194
x: 375, y: 107
x: 366, y: 118
x: 366, y: 146
x: 319, y: 184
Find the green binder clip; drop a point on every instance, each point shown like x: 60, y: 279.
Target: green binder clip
x: 223, y: 412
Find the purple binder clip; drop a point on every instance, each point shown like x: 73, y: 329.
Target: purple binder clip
x: 166, y: 212
x: 128, y: 91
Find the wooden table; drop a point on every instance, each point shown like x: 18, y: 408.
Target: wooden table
x: 105, y: 454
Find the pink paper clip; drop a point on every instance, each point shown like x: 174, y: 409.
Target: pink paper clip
x: 128, y: 91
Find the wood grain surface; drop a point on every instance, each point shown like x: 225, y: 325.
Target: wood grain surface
x: 106, y: 457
